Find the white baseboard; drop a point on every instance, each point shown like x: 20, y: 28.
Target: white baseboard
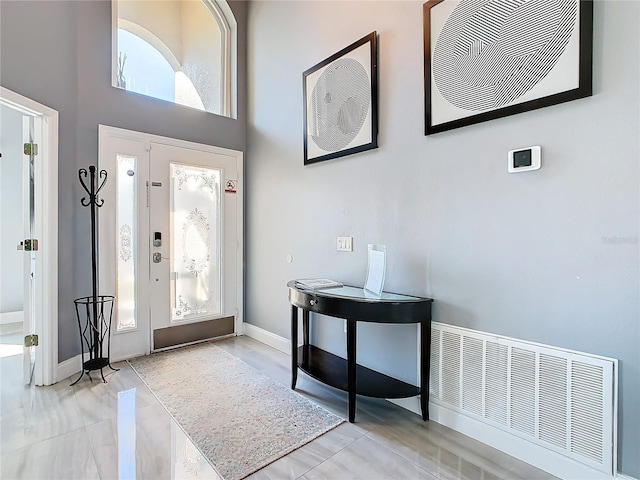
x: 69, y: 367
x: 266, y: 337
x: 531, y: 453
x: 11, y: 328
x: 541, y: 458
x: 622, y: 476
x: 535, y: 455
x: 412, y: 404
x: 12, y: 317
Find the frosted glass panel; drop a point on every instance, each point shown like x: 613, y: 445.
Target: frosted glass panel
x: 195, y: 242
x: 127, y: 241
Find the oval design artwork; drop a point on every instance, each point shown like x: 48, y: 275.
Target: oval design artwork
x: 195, y: 242
x: 339, y: 105
x: 125, y: 242
x: 489, y: 54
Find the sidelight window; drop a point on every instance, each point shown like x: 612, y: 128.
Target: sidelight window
x: 127, y: 241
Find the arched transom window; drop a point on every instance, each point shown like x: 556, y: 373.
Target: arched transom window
x: 181, y: 51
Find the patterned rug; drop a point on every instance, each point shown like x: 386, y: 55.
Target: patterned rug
x: 240, y: 419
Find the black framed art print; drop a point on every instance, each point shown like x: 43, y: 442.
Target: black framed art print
x: 341, y: 102
x: 488, y: 59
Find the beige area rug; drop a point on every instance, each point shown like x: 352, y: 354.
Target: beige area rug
x: 240, y: 419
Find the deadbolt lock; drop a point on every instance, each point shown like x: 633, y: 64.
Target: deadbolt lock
x: 29, y: 245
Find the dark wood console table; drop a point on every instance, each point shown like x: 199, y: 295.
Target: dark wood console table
x: 356, y: 305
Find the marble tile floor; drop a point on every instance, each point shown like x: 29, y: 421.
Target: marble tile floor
x: 119, y: 430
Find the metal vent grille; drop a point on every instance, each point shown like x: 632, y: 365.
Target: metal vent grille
x: 560, y: 399
x: 434, y: 386
x: 586, y: 410
x: 552, y: 401
x: 450, y: 381
x: 523, y: 391
x: 472, y: 375
x: 495, y: 394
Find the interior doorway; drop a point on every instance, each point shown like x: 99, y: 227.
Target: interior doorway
x: 11, y: 212
x: 29, y: 238
x: 170, y: 240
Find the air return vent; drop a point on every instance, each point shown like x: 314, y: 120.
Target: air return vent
x: 559, y: 399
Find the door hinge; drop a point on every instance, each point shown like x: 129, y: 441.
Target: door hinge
x: 29, y: 245
x: 30, y: 149
x: 31, y: 341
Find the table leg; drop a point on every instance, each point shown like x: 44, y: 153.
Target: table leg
x: 305, y: 327
x: 425, y: 366
x: 351, y: 368
x: 294, y: 346
x: 305, y: 337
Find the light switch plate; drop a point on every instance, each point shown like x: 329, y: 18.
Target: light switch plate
x: 344, y: 244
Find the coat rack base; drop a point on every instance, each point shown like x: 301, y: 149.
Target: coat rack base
x: 94, y: 323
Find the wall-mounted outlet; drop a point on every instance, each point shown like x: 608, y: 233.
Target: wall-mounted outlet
x: 344, y: 244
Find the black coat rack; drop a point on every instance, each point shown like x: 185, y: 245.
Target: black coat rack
x: 94, y: 312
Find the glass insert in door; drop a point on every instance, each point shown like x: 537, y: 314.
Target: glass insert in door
x: 195, y: 242
x: 127, y: 241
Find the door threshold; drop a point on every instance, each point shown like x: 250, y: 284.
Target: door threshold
x: 190, y: 333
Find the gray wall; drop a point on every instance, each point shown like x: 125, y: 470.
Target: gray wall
x: 63, y: 60
x: 549, y: 256
x: 11, y: 260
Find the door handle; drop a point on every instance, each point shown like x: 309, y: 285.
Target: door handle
x: 157, y: 257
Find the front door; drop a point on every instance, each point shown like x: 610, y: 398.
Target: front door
x: 194, y: 264
x: 170, y: 241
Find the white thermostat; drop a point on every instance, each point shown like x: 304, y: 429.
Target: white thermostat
x: 524, y: 159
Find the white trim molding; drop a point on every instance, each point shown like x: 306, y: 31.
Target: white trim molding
x: 69, y: 367
x: 46, y: 314
x: 266, y: 337
x: 622, y: 476
x: 540, y: 457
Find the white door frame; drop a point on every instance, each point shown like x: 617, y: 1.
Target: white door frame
x: 46, y: 231
x: 105, y: 131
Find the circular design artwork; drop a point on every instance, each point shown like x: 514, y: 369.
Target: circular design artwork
x: 490, y: 53
x: 339, y: 104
